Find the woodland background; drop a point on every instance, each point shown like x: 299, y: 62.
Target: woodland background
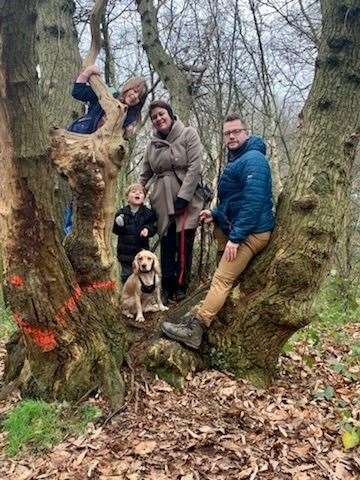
x: 257, y: 58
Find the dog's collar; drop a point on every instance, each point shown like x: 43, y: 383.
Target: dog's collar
x: 147, y: 288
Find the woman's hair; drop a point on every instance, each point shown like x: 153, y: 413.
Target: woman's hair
x: 135, y: 186
x: 162, y: 104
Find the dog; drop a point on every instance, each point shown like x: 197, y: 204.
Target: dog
x: 141, y: 287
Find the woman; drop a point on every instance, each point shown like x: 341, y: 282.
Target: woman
x: 173, y: 162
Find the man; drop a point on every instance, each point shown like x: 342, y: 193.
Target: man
x: 243, y: 224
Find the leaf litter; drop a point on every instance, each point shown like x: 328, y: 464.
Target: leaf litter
x: 217, y: 427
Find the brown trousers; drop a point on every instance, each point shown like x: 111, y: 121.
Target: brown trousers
x: 227, y: 273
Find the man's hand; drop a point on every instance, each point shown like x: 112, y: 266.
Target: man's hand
x: 206, y: 216
x: 144, y: 232
x: 230, y: 251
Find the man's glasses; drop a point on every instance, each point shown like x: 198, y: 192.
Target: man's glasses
x: 234, y: 132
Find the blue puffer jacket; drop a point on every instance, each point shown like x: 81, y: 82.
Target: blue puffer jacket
x: 245, y: 197
x: 88, y: 123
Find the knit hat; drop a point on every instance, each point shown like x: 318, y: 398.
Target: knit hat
x: 134, y: 83
x: 162, y: 104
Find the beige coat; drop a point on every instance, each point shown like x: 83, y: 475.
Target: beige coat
x: 182, y: 150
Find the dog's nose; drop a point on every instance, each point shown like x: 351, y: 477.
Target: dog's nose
x: 143, y: 265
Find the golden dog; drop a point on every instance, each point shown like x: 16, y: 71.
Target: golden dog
x: 139, y: 289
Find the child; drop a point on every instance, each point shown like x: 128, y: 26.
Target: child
x: 134, y: 224
x: 133, y: 94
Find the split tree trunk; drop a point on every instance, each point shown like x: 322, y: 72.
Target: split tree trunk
x: 280, y: 286
x: 74, y: 341
x: 59, y: 65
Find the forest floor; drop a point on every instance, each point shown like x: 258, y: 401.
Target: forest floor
x: 219, y: 427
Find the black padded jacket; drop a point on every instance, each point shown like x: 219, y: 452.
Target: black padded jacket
x: 130, y: 242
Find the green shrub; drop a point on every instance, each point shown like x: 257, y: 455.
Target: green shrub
x: 332, y: 309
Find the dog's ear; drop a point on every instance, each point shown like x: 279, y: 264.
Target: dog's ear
x: 157, y: 268
x: 135, y: 266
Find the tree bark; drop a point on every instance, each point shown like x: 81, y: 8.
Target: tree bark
x: 174, y: 78
x: 279, y: 287
x: 74, y: 341
x: 59, y: 65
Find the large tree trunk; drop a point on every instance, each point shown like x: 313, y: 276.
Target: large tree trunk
x: 280, y: 286
x: 171, y: 75
x: 59, y: 65
x: 74, y: 341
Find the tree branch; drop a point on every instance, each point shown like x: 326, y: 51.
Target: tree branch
x: 95, y: 20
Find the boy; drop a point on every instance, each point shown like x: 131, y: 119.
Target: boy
x: 133, y: 94
x: 134, y: 225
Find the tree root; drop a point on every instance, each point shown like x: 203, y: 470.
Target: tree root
x: 172, y: 362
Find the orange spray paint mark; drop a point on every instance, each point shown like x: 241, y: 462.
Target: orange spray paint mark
x: 44, y: 338
x: 16, y: 281
x: 96, y: 285
x: 71, y: 303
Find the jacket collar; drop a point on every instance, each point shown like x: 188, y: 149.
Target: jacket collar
x: 252, y: 143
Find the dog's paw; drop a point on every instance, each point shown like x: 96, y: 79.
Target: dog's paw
x: 127, y: 314
x: 163, y: 308
x: 140, y: 319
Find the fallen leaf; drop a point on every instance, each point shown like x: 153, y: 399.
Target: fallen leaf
x: 145, y: 447
x: 350, y: 439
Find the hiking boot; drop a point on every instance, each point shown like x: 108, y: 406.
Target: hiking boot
x: 188, y: 331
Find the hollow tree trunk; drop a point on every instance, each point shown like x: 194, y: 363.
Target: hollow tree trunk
x: 171, y: 75
x: 59, y: 65
x: 66, y: 312
x: 281, y: 285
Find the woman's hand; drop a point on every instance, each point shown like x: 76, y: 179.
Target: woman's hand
x: 206, y: 216
x: 230, y: 251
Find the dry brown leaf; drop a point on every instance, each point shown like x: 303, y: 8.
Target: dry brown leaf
x: 145, y: 447
x: 92, y: 468
x: 244, y: 473
x: 301, y: 476
x: 78, y: 461
x: 227, y: 391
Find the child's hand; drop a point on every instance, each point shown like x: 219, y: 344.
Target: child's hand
x: 144, y: 232
x: 86, y: 74
x: 92, y: 70
x: 119, y: 220
x: 129, y: 131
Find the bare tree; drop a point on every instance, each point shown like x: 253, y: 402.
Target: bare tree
x: 66, y: 310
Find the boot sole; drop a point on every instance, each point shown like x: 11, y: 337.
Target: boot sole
x: 177, y: 339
